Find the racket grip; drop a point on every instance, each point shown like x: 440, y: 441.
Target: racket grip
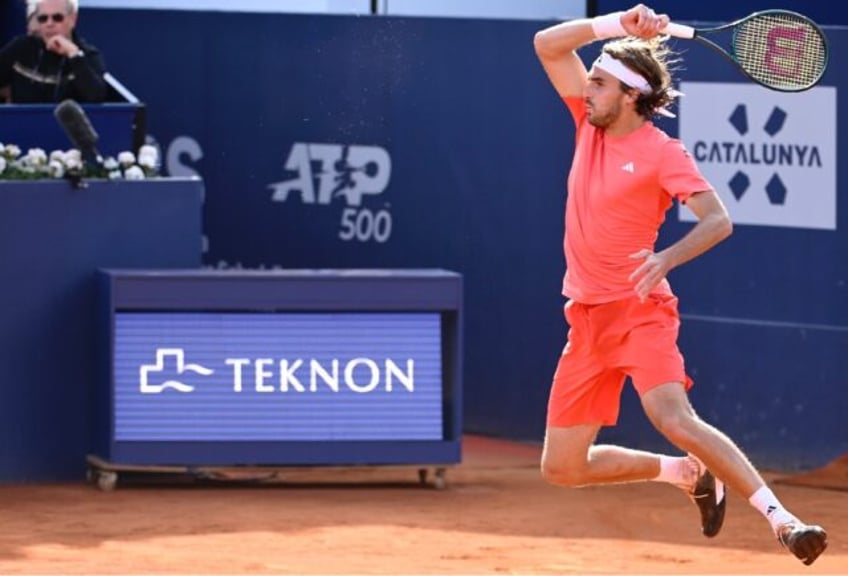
x: 679, y: 30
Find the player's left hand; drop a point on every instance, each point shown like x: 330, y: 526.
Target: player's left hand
x: 649, y: 273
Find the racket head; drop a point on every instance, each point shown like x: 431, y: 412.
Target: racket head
x: 780, y: 49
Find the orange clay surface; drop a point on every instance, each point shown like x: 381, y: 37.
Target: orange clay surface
x: 496, y: 516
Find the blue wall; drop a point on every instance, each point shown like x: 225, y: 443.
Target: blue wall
x: 825, y: 13
x: 12, y: 18
x: 466, y: 116
x: 52, y: 240
x: 479, y: 147
x: 440, y: 143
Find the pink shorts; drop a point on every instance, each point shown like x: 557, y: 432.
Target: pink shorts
x: 606, y: 343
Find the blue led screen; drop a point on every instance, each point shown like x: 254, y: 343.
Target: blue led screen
x: 277, y: 376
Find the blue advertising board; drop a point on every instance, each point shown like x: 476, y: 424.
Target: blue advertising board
x: 286, y: 367
x: 277, y: 376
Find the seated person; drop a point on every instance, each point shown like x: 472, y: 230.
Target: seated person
x: 52, y: 63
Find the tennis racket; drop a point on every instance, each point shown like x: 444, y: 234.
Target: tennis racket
x: 779, y: 49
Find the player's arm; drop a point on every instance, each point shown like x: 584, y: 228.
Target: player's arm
x: 713, y: 226
x: 557, y: 45
x: 556, y: 48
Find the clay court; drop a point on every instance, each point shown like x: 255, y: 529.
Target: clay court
x: 495, y: 516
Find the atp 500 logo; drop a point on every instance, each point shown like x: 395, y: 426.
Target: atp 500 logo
x: 356, y: 174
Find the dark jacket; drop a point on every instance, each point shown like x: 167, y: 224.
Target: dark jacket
x: 37, y: 75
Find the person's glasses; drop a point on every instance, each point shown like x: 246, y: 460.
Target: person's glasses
x: 58, y: 18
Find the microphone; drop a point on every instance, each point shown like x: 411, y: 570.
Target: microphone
x: 74, y: 121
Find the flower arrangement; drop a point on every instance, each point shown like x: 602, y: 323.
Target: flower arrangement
x: 36, y: 164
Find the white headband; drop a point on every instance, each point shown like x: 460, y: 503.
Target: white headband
x: 633, y: 79
x: 615, y: 67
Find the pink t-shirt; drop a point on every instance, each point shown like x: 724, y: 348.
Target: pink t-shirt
x: 619, y: 190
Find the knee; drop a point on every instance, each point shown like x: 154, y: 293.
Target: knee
x: 671, y: 413
x: 562, y: 474
x: 678, y: 428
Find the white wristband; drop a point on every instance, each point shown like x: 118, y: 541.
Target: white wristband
x: 608, y: 26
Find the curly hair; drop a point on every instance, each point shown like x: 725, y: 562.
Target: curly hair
x: 654, y: 60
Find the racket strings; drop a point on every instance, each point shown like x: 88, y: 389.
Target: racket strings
x: 782, y: 51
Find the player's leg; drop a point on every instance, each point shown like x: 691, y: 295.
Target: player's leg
x: 655, y: 364
x: 650, y: 356
x: 570, y: 459
x: 669, y: 409
x: 585, y: 395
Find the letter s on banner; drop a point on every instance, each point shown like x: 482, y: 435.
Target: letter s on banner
x: 183, y: 145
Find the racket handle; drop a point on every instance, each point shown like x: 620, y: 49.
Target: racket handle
x: 679, y: 30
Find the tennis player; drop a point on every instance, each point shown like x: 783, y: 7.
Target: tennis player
x: 621, y: 311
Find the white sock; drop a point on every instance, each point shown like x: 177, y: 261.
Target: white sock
x: 674, y: 470
x: 769, y: 506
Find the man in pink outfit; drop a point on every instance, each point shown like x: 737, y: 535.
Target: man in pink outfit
x: 621, y: 311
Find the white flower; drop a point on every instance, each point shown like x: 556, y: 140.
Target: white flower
x: 147, y: 161
x: 148, y: 150
x: 134, y: 173
x: 36, y: 163
x: 73, y: 154
x: 57, y: 170
x: 72, y: 163
x: 148, y: 157
x: 36, y: 156
x: 126, y: 159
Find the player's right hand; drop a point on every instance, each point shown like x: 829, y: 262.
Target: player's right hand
x: 643, y: 22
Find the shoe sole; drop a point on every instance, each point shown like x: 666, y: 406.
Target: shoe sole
x: 711, y: 498
x: 814, y: 540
